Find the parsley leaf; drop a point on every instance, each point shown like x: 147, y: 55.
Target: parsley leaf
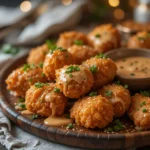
x: 101, y: 55
x: 145, y: 93
x: 9, y: 49
x: 108, y: 93
x: 71, y: 69
x: 97, y: 35
x: 57, y: 90
x: 70, y: 126
x: 93, y: 94
x: 93, y: 68
x: 79, y: 42
x: 39, y: 85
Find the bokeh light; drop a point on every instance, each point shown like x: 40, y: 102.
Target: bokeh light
x: 66, y: 2
x: 132, y: 3
x: 119, y: 14
x: 25, y: 6
x: 114, y: 3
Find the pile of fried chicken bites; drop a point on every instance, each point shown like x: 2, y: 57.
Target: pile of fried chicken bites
x: 76, y: 68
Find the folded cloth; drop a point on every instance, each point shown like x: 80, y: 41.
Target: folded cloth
x: 10, y: 16
x: 57, y: 18
x: 10, y: 142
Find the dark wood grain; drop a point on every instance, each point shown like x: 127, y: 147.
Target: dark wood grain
x: 79, y: 136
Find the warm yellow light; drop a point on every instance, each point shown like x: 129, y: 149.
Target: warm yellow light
x: 119, y: 14
x: 66, y: 2
x: 114, y: 3
x: 25, y: 6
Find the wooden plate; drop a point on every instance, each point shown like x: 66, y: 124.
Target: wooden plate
x: 78, y: 137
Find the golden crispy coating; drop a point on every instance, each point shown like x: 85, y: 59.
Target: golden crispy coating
x: 82, y: 53
x: 92, y: 112
x: 104, y: 70
x: 45, y: 101
x: 139, y: 111
x: 56, y: 60
x: 37, y: 55
x: 140, y: 40
x: 118, y: 96
x: 20, y: 80
x: 68, y: 39
x: 74, y: 80
x: 105, y: 37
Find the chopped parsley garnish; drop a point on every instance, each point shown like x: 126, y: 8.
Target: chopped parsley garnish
x: 41, y: 65
x: 9, y: 49
x: 56, y: 49
x: 132, y: 74
x: 117, y: 126
x: 57, y: 90
x: 79, y: 42
x: 101, y: 55
x: 35, y: 116
x: 97, y: 35
x: 21, y: 99
x: 145, y: 93
x: 22, y: 105
x: 70, y: 126
x: 117, y: 82
x: 144, y: 110
x: 39, y: 85
x: 108, y: 93
x: 26, y: 67
x: 43, y: 75
x: 93, y: 69
x: 141, y: 38
x: 109, y: 129
x: 51, y: 44
x: 71, y: 69
x: 53, y: 47
x: 143, y: 103
x: 70, y: 75
x: 93, y: 94
x: 126, y: 86
x: 30, y: 80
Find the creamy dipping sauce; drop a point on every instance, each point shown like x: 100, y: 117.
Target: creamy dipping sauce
x: 133, y: 67
x: 57, y: 121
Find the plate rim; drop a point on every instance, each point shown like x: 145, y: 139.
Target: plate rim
x: 70, y: 133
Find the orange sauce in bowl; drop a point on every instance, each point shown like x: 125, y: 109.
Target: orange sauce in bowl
x: 133, y: 67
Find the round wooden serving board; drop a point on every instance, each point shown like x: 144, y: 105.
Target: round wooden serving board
x: 78, y: 137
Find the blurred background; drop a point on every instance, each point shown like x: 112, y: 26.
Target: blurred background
x: 30, y: 22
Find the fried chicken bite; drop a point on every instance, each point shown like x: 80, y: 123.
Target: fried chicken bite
x: 105, y: 37
x: 45, y: 100
x: 139, y: 111
x: 70, y: 38
x: 82, y: 53
x: 118, y: 96
x: 103, y: 69
x: 20, y: 80
x: 140, y: 40
x: 92, y: 112
x: 74, y: 80
x: 37, y: 55
x: 55, y: 60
